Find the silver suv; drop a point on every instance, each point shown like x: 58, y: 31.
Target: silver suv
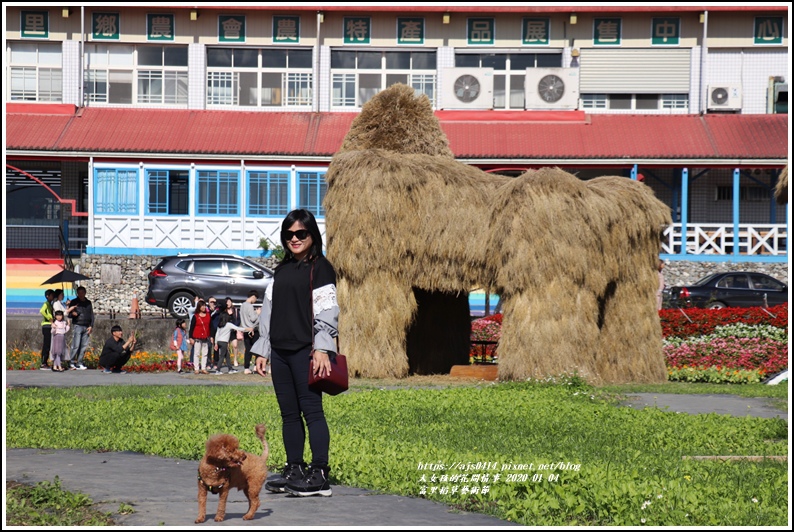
x: 178, y: 279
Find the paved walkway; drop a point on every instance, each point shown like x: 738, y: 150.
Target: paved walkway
x: 163, y: 491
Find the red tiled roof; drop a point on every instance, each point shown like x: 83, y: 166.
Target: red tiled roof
x: 472, y: 134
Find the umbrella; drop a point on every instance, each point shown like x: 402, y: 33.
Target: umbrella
x: 65, y: 276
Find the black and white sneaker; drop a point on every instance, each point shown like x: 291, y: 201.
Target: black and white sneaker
x: 289, y: 473
x: 314, y: 483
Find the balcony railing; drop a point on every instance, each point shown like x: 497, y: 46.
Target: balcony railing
x: 722, y: 239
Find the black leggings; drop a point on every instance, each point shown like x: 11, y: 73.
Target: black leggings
x: 46, y: 333
x: 290, y: 370
x: 249, y: 341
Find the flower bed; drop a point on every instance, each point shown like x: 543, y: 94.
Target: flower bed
x: 140, y: 362
x: 733, y: 345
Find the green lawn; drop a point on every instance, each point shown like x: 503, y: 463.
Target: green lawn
x: 564, y: 454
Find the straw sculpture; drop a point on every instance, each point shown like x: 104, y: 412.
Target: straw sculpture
x: 781, y: 189
x: 411, y: 231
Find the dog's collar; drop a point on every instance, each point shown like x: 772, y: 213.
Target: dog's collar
x: 212, y: 489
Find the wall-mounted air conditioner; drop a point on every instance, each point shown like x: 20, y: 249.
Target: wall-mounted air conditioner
x: 552, y: 88
x: 725, y: 97
x: 466, y: 88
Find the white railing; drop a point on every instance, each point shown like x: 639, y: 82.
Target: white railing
x: 718, y: 239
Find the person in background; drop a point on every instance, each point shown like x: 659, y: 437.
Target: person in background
x: 179, y: 343
x: 46, y: 311
x: 116, y: 351
x: 298, y: 325
x: 58, y: 304
x: 215, y: 316
x: 59, y: 329
x: 238, y: 335
x: 225, y: 328
x: 199, y: 333
x: 249, y: 319
x: 82, y: 315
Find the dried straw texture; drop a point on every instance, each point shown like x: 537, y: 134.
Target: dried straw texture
x: 561, y: 269
x: 406, y: 225
x: 781, y: 189
x: 397, y: 121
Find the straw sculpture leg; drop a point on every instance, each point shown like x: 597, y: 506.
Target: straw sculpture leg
x: 374, y: 316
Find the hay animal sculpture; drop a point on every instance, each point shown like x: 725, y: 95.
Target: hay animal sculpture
x: 225, y: 466
x: 411, y: 231
x: 781, y: 188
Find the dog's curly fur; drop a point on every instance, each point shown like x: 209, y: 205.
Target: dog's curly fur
x: 226, y: 466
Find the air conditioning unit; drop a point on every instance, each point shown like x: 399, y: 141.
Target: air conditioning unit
x: 725, y: 97
x: 466, y: 88
x: 552, y: 88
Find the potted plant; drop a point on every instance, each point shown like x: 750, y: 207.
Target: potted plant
x: 264, y: 243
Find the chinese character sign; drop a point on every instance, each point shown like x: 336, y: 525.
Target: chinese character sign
x: 160, y: 27
x: 35, y: 24
x: 768, y: 30
x: 665, y: 31
x: 231, y: 28
x: 410, y: 31
x: 480, y: 30
x: 286, y: 29
x: 535, y: 31
x: 105, y: 26
x: 606, y: 31
x: 357, y: 30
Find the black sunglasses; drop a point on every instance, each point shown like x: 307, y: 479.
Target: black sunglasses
x: 302, y: 234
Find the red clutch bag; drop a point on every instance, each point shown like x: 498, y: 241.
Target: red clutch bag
x: 336, y: 382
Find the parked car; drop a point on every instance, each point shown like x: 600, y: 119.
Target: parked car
x: 178, y: 279
x: 730, y: 289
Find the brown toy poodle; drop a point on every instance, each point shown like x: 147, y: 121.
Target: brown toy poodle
x: 226, y: 466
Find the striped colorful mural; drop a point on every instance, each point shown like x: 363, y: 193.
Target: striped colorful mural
x: 24, y: 293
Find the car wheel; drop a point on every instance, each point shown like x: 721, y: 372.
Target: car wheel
x: 179, y: 304
x: 717, y: 305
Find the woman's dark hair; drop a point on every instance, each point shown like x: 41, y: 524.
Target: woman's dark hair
x: 227, y: 301
x: 307, y: 219
x: 224, y: 319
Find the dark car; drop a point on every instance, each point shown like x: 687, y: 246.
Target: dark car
x: 730, y: 289
x: 177, y: 280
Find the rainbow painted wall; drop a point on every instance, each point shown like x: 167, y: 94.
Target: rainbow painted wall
x: 24, y: 291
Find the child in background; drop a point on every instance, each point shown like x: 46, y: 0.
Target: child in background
x: 179, y: 343
x: 225, y: 327
x: 59, y: 329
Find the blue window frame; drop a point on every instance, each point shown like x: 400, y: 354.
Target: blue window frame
x: 115, y: 191
x: 168, y: 192
x: 311, y: 192
x: 268, y: 193
x: 218, y: 192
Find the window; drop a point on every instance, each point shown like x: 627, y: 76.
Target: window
x: 733, y: 281
x: 145, y: 74
x: 762, y: 282
x: 240, y: 269
x: 594, y: 101
x: 208, y: 267
x: 259, y: 77
x: 725, y: 193
x: 268, y: 193
x: 116, y: 191
x: 635, y: 102
x: 168, y: 191
x: 358, y: 76
x: 217, y: 192
x: 311, y: 192
x: 509, y: 73
x: 35, y: 71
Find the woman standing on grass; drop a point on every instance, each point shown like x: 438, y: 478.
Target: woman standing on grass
x: 297, y: 331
